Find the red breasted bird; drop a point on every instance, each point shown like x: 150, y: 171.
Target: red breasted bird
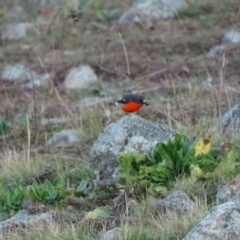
x: 131, y: 102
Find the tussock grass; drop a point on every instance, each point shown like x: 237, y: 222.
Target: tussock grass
x: 15, y: 164
x: 49, y: 231
x: 152, y: 225
x: 162, y: 66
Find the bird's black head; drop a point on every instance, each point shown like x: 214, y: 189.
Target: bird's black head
x: 135, y: 98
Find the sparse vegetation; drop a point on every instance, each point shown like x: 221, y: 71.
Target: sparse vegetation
x: 168, y: 64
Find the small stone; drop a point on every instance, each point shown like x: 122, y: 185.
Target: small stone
x: 90, y: 101
x: 111, y: 234
x: 16, y: 31
x: 80, y: 77
x: 229, y: 41
x: 20, y: 73
x: 214, y: 51
x: 230, y: 121
x: 23, y: 218
x: 70, y: 208
x: 64, y: 138
x: 38, y: 81
x: 148, y: 10
x: 231, y: 37
x: 207, y: 84
x: 177, y: 202
x: 16, y: 13
x: 46, y: 121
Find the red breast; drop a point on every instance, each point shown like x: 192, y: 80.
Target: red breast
x: 131, y: 107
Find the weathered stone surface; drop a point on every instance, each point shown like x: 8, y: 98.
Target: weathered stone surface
x: 17, y: 13
x: 177, y: 202
x: 80, y: 77
x: 20, y: 73
x: 64, y: 138
x: 23, y: 218
x: 90, y: 101
x: 148, y: 10
x: 222, y: 222
x: 110, y: 235
x: 229, y: 192
x: 232, y: 36
x: 230, y: 40
x: 16, y: 31
x: 230, y: 121
x: 218, y: 49
x: 46, y: 121
x: 129, y: 134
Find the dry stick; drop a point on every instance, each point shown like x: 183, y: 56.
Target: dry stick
x: 125, y: 52
x: 229, y: 105
x: 28, y: 137
x: 6, y: 95
x: 61, y: 100
x: 221, y: 75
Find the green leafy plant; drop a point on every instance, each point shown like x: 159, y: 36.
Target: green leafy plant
x: 5, y: 126
x: 193, y: 10
x: 12, y: 200
x: 47, y: 192
x: 155, y: 171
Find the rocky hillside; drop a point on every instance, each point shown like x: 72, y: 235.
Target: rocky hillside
x: 75, y: 167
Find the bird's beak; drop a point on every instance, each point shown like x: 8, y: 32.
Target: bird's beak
x: 144, y: 102
x: 116, y: 103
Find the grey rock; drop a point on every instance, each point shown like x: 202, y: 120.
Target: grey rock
x: 72, y: 4
x: 216, y: 50
x: 40, y: 21
x: 64, y: 138
x: 23, y: 218
x: 20, y: 73
x: 177, y: 202
x: 90, y: 101
x: 206, y: 85
x: 229, y: 41
x: 222, y: 222
x: 231, y: 37
x: 38, y: 80
x: 110, y: 235
x: 149, y: 10
x: 230, y: 121
x: 46, y: 121
x: 80, y: 77
x: 129, y: 134
x: 16, y: 31
x: 229, y: 192
x: 17, y: 13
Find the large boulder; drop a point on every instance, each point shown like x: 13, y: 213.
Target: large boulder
x: 129, y: 134
x: 222, y: 222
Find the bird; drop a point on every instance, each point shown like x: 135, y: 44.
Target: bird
x: 131, y: 103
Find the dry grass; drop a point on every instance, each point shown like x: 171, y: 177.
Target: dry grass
x: 167, y: 64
